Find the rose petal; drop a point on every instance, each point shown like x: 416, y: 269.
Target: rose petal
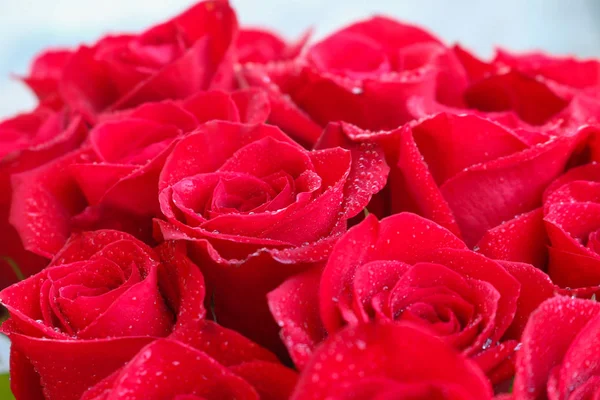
x: 413, y: 188
x: 210, y: 147
x: 372, y: 351
x: 272, y: 381
x: 52, y: 359
x: 226, y: 346
x: 522, y: 239
x: 170, y: 368
x: 369, y: 171
x: 206, y: 106
x: 295, y: 307
x: 536, y: 287
x: 544, y: 346
x: 44, y: 199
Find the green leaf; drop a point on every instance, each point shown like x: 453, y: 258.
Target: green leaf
x: 3, y: 314
x: 5, y: 392
x: 14, y: 266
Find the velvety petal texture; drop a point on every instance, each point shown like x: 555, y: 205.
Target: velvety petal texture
x: 560, y: 361
x: 389, y: 361
x: 173, y: 60
x: 570, y: 206
x: 467, y: 173
x: 407, y: 268
x: 560, y: 236
x: 193, y: 364
x: 112, y: 180
x: 28, y: 141
x: 103, y: 292
x: 254, y: 219
x: 203, y: 210
x: 327, y: 83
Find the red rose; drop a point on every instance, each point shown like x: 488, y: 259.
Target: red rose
x: 388, y: 361
x: 258, y: 208
x: 112, y: 180
x: 520, y: 91
x: 499, y: 90
x: 563, y: 74
x: 44, y: 76
x: 464, y: 172
x: 330, y: 82
x: 562, y: 236
x: 173, y: 60
x: 27, y: 141
x: 404, y: 73
x: 102, y: 298
x: 407, y: 268
x: 202, y: 361
x: 559, y: 354
x: 261, y: 46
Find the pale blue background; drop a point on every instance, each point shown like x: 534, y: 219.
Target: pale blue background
x: 559, y: 26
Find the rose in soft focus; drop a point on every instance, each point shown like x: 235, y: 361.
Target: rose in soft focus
x: 561, y: 237
x: 257, y: 208
x: 559, y: 354
x: 172, y: 60
x: 387, y: 361
x: 45, y: 74
x: 532, y: 91
x: 363, y: 74
x: 467, y: 173
x: 407, y: 268
x: 405, y: 73
x: 112, y: 180
x: 200, y: 361
x: 254, y: 45
x: 27, y: 141
x: 102, y: 298
x: 568, y: 77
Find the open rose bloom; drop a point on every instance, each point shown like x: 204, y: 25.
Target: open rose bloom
x: 204, y: 210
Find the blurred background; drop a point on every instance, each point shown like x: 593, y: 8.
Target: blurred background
x: 557, y: 26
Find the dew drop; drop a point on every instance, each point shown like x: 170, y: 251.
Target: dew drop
x: 487, y: 344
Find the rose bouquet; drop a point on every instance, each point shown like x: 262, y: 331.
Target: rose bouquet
x: 208, y: 211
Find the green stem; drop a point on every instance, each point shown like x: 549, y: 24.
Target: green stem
x: 14, y: 267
